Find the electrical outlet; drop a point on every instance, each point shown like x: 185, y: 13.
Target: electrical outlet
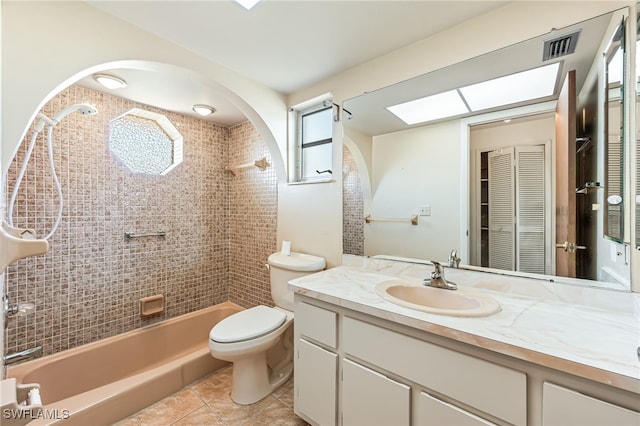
x: 425, y: 210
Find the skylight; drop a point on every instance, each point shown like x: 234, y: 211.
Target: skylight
x: 519, y: 87
x: 446, y: 104
x: 515, y: 88
x: 247, y: 4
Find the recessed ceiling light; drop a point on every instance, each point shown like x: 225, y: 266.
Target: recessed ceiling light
x: 519, y: 87
x: 434, y: 107
x: 247, y: 4
x: 110, y: 81
x: 203, y: 110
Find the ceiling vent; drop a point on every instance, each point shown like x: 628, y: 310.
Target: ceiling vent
x: 560, y: 46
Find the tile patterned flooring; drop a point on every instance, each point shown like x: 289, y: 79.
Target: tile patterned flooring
x: 208, y: 402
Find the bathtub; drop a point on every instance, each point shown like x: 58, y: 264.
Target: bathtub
x: 106, y: 381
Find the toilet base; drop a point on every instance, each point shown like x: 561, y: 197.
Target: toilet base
x: 253, y: 380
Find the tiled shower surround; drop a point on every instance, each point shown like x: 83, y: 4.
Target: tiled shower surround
x: 220, y: 228
x: 352, y: 206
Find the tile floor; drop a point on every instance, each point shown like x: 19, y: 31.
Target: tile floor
x: 208, y: 402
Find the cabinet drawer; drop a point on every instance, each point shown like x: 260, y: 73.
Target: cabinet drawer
x: 488, y: 387
x: 316, y: 324
x: 431, y: 411
x: 561, y: 406
x: 372, y: 399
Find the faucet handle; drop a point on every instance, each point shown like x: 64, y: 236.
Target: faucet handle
x: 454, y: 260
x: 438, y: 271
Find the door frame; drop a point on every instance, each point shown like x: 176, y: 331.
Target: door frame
x: 465, y: 171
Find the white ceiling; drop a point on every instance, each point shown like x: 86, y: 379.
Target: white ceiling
x: 283, y: 44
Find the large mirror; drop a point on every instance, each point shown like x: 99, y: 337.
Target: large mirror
x: 510, y: 179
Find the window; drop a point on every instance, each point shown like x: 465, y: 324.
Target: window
x: 314, y: 142
x: 145, y: 142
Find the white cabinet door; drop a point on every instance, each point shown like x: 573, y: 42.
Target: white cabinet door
x: 431, y: 411
x: 502, y: 210
x: 561, y: 406
x: 315, y: 383
x: 370, y: 398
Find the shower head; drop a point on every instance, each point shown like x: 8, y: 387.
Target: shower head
x: 84, y: 109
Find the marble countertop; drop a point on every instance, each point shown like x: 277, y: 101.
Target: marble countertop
x: 588, y: 332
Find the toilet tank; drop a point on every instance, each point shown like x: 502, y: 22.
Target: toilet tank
x: 288, y: 267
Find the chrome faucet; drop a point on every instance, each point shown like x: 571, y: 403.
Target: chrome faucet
x: 437, y: 278
x: 24, y: 355
x: 454, y: 260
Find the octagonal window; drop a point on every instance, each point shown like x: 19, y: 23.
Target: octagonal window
x: 145, y: 142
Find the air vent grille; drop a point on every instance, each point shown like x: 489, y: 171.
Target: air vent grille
x: 560, y: 46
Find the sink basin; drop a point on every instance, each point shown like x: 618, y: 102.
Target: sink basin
x: 460, y: 303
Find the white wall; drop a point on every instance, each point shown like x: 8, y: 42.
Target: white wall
x: 48, y: 45
x: 410, y: 169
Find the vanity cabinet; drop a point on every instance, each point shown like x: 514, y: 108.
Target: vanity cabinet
x: 316, y: 364
x: 459, y: 377
x: 356, y: 369
x: 566, y: 407
x: 349, y: 372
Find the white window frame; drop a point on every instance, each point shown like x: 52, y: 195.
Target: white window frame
x: 296, y: 175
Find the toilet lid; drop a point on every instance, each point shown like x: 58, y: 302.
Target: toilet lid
x: 248, y: 324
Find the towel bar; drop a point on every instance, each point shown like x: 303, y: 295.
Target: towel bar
x: 129, y: 235
x: 413, y: 219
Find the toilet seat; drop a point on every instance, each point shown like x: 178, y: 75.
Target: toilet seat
x: 248, y: 324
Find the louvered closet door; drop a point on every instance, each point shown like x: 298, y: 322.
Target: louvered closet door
x: 501, y: 210
x: 530, y: 208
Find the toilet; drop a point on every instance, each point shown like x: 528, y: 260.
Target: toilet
x: 259, y: 340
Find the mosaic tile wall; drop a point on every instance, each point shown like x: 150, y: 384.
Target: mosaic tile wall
x: 352, y: 206
x: 88, y: 285
x: 252, y: 221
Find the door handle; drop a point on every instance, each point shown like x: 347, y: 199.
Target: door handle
x: 570, y: 247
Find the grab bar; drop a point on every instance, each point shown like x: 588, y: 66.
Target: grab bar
x: 413, y: 219
x: 12, y: 358
x: 129, y: 235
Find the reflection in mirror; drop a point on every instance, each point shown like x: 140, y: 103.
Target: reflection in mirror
x: 484, y: 181
x: 614, y: 137
x: 352, y: 205
x: 145, y: 142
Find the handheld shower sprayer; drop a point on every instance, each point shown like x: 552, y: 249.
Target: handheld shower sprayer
x: 43, y: 120
x: 84, y: 109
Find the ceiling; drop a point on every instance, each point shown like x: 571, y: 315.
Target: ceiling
x: 284, y: 44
